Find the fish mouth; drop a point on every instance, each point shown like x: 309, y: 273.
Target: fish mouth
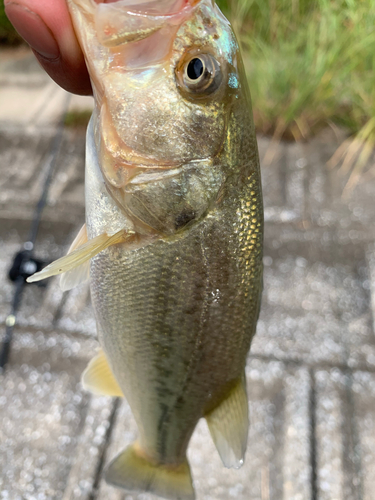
x: 140, y: 8
x: 152, y: 8
x: 119, y: 22
x: 119, y: 174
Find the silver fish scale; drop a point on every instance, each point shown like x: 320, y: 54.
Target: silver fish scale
x: 177, y: 317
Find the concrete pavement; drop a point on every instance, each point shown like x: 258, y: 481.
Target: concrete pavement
x: 311, y: 371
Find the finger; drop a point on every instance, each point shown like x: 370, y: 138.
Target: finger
x: 47, y: 27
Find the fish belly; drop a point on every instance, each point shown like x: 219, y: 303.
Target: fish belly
x: 176, y: 318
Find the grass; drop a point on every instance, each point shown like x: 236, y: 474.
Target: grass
x: 77, y: 118
x: 8, y: 35
x: 311, y: 63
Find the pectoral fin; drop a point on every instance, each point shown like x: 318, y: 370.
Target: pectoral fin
x: 81, y: 255
x: 80, y: 274
x: 229, y: 424
x: 99, y: 379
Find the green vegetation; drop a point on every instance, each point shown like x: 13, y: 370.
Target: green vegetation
x: 308, y: 61
x: 311, y: 63
x: 77, y: 118
x: 8, y: 34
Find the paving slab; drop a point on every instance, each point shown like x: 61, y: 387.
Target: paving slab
x: 316, y: 305
x: 336, y: 472
x: 300, y: 187
x: 42, y: 409
x: 283, y: 186
x: 11, y: 242
x: 40, y: 304
x: 363, y: 404
x: 345, y: 432
x: 91, y: 445
x: 370, y: 284
x: 25, y: 156
x: 28, y: 96
x: 39, y: 421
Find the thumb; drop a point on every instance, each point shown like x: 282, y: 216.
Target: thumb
x: 47, y: 27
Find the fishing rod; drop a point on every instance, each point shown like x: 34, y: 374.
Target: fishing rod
x: 24, y: 263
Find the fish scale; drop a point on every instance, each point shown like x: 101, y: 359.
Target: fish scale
x: 198, y: 331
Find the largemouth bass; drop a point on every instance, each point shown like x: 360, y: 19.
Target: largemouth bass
x: 174, y: 229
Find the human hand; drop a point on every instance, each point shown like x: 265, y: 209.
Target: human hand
x: 47, y: 27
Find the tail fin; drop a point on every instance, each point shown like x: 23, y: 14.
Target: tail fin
x: 134, y: 473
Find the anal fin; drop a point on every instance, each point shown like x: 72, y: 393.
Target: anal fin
x: 229, y: 426
x: 99, y: 379
x: 133, y: 472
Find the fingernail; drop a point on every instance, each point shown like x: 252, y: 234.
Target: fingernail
x: 33, y: 30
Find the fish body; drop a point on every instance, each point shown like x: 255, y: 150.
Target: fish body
x: 172, y: 160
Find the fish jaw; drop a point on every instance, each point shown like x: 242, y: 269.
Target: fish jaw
x: 118, y: 23
x: 126, y: 21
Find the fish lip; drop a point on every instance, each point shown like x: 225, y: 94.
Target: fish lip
x: 155, y: 165
x: 152, y: 174
x: 149, y: 163
x: 93, y: 5
x: 188, y: 5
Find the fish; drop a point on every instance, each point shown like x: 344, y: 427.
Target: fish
x: 173, y: 238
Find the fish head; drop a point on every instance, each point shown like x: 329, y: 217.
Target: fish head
x: 165, y: 75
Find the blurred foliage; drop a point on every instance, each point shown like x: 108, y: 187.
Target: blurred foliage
x: 78, y: 118
x: 311, y: 63
x: 8, y: 35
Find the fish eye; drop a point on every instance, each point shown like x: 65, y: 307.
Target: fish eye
x: 200, y: 75
x: 195, y: 69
